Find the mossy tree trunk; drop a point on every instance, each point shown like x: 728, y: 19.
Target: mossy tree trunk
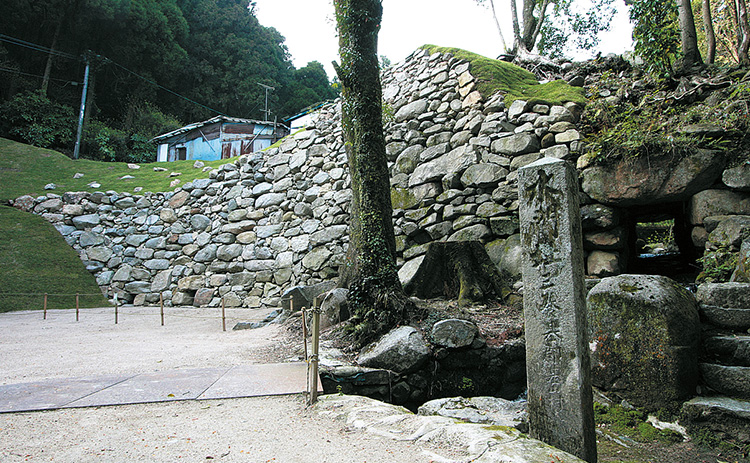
x: 376, y: 298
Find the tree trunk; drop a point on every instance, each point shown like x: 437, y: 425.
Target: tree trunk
x: 497, y: 24
x: 743, y: 32
x: 517, y: 40
x: 689, y: 38
x: 708, y: 26
x: 50, y: 56
x: 376, y: 298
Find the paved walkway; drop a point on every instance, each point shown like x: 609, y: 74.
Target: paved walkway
x: 193, y: 384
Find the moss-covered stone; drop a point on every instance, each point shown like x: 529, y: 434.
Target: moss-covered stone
x: 644, y: 333
x: 403, y: 198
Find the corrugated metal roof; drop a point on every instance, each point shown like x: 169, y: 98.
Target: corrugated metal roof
x: 213, y: 120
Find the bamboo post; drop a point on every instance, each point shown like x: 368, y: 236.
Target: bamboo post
x: 314, y: 355
x: 223, y: 315
x: 45, y: 306
x: 77, y: 307
x: 161, y: 307
x: 116, y: 307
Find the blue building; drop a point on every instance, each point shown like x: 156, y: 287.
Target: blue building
x: 220, y: 137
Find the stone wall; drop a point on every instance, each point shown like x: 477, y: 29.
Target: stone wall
x: 274, y: 220
x: 277, y: 219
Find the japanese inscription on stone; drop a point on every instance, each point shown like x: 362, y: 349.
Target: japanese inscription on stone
x: 557, y: 357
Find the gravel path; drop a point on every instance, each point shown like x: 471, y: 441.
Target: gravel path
x: 278, y: 429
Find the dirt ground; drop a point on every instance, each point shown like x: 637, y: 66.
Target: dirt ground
x: 248, y: 430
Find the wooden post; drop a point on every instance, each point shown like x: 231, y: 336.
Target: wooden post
x: 314, y: 356
x: 116, y: 307
x: 161, y: 306
x: 223, y: 315
x: 77, y: 307
x: 304, y: 332
x: 45, y: 306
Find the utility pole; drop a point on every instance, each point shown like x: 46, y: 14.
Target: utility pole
x: 266, y: 111
x: 77, y: 149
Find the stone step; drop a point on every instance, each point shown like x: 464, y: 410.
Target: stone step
x: 733, y: 381
x: 734, y: 295
x: 723, y: 417
x: 726, y: 305
x: 726, y: 317
x: 728, y: 350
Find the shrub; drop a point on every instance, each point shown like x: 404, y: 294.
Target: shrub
x: 32, y: 118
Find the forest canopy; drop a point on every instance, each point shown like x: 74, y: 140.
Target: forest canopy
x: 154, y: 66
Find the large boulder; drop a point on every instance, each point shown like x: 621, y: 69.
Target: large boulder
x: 652, y: 179
x: 493, y: 411
x: 717, y: 202
x: 404, y: 349
x: 304, y: 296
x: 454, y: 333
x: 644, y: 333
x: 454, y: 162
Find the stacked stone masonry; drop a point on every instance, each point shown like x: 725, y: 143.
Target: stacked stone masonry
x: 277, y: 219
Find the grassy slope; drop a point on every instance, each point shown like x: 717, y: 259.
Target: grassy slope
x: 25, y: 169
x: 35, y: 259
x: 517, y: 83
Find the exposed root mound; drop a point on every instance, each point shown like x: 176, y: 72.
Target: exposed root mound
x: 458, y: 270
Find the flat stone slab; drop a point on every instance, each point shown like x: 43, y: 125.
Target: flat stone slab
x: 160, y: 386
x: 52, y: 394
x: 163, y: 386
x: 260, y: 380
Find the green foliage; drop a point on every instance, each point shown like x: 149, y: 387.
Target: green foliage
x: 632, y: 423
x: 214, y: 53
x: 35, y: 260
x: 517, y: 83
x: 307, y: 86
x: 112, y: 145
x: 656, y: 33
x: 650, y: 125
x: 32, y: 118
x: 568, y: 24
x: 466, y: 386
x: 389, y: 114
x: 718, y: 265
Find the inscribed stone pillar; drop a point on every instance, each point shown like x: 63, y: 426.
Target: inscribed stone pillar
x: 557, y: 356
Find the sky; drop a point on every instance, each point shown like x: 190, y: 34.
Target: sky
x: 310, y: 32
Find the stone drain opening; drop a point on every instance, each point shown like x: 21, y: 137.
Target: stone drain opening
x: 659, y: 242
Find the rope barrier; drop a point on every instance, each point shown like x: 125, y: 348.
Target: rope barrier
x: 49, y: 294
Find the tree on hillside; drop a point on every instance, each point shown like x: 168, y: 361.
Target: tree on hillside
x: 550, y: 25
x: 375, y: 293
x: 691, y: 55
x: 708, y: 27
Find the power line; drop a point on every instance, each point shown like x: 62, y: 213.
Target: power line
x: 33, y: 46
x: 15, y: 71
x: 165, y: 88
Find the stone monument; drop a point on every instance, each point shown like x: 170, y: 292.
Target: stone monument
x: 557, y: 356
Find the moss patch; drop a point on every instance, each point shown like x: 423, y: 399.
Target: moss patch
x: 517, y: 83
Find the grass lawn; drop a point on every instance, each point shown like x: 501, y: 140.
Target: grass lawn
x: 25, y: 169
x: 35, y: 259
